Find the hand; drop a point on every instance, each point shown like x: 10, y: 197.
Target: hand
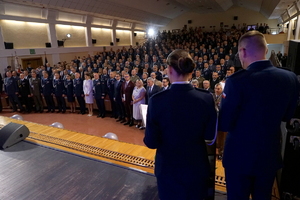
x: 102, y: 97
x: 63, y: 95
x: 82, y: 95
x: 17, y: 93
x: 87, y: 95
x: 29, y: 95
x: 123, y: 100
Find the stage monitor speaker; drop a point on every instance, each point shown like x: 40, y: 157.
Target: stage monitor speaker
x: 94, y: 41
x: 293, y: 60
x: 235, y: 18
x: 9, y: 45
x: 60, y: 43
x: 189, y: 21
x: 134, y: 34
x: 111, y: 44
x: 117, y: 39
x: 48, y: 44
x: 11, y: 134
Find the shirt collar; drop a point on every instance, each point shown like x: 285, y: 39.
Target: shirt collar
x: 181, y: 82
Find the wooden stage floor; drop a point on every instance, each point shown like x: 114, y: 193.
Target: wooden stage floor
x: 55, y: 163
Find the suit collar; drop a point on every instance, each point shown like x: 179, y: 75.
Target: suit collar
x: 181, y: 87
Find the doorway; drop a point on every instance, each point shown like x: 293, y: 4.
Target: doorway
x: 35, y: 62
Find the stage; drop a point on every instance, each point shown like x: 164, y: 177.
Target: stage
x: 55, y: 163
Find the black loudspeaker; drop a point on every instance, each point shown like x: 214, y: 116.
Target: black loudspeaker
x: 117, y: 39
x: 235, y: 18
x: 9, y: 45
x: 94, y: 41
x: 48, y: 44
x: 60, y: 43
x: 111, y: 44
x: 189, y: 21
x: 11, y: 134
x: 293, y: 61
x: 137, y: 43
x: 134, y: 34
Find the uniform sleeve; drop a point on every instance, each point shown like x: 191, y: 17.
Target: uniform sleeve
x: 152, y: 134
x: 230, y: 106
x: 295, y: 91
x: 210, y: 129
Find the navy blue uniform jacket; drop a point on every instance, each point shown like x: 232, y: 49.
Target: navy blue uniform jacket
x: 256, y: 101
x: 179, y: 120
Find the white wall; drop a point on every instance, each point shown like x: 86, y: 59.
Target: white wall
x: 244, y: 16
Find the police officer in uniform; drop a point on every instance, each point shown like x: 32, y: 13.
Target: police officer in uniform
x: 99, y: 94
x: 111, y: 91
x: 47, y: 89
x: 25, y: 94
x: 12, y: 91
x: 35, y: 90
x: 59, y: 93
x: 78, y: 92
x: 252, y: 117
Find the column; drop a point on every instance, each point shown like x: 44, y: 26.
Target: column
x: 113, y: 33
x: 297, y: 33
x: 88, y: 32
x: 2, y: 47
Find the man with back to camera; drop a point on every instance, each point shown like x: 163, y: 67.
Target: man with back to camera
x: 252, y: 118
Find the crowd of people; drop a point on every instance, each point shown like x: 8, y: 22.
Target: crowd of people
x: 129, y: 77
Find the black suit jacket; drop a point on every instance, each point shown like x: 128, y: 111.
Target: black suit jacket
x: 154, y: 90
x: 177, y: 127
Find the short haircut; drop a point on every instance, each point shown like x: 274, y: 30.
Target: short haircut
x: 218, y: 84
x: 194, y: 81
x: 255, y: 40
x: 150, y: 79
x: 167, y: 79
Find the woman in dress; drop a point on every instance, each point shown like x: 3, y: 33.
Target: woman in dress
x: 88, y: 93
x: 138, y: 98
x: 70, y: 92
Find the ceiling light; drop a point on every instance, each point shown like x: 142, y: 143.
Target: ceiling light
x: 69, y: 35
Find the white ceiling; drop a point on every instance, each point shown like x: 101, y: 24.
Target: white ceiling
x: 158, y: 12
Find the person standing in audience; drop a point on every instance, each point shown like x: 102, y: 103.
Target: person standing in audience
x: 111, y: 92
x: 188, y: 178
x: 47, y: 93
x: 138, y: 98
x: 69, y: 87
x: 35, y: 90
x: 206, y: 86
x: 59, y: 92
x: 126, y: 92
x: 199, y: 78
x: 78, y: 92
x: 151, y: 89
x: 118, y: 98
x: 252, y: 118
x: 24, y: 92
x: 214, y: 80
x: 195, y: 83
x: 99, y: 95
x: 165, y: 84
x: 218, y: 95
x: 88, y: 93
x: 12, y: 91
